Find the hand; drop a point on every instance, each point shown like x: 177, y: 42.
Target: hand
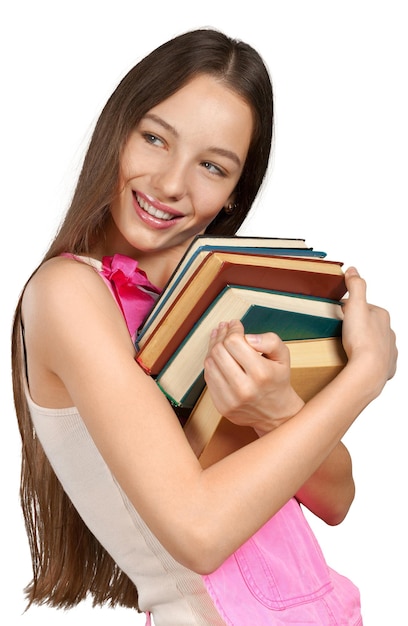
x: 249, y: 377
x: 367, y: 336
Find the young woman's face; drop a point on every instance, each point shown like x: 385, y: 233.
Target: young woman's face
x: 180, y: 166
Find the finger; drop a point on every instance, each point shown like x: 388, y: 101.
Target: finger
x: 356, y: 286
x: 270, y: 345
x: 224, y: 374
x: 229, y: 353
x: 224, y: 329
x: 253, y: 368
x: 235, y: 326
x: 217, y: 335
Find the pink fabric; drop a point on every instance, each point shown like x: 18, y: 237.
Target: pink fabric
x: 134, y: 292
x: 131, y: 288
x: 279, y: 577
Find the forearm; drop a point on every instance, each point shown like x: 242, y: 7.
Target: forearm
x: 299, y: 457
x: 330, y: 491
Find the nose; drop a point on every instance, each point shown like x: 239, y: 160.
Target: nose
x: 170, y: 180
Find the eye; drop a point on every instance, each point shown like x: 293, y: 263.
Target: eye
x: 213, y: 169
x: 153, y: 139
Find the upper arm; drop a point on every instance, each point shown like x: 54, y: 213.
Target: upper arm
x: 74, y: 326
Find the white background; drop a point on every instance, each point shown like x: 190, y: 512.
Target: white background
x: 339, y: 179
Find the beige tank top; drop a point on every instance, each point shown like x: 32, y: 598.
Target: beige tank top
x: 172, y: 593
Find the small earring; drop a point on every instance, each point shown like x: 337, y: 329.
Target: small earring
x: 230, y: 208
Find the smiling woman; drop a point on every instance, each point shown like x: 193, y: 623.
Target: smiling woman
x: 115, y: 502
x: 179, y: 168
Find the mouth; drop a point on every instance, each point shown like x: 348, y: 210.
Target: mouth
x: 152, y: 210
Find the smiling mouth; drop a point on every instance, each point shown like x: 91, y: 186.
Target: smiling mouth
x: 151, y: 210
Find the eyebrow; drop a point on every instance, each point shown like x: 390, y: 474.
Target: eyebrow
x: 229, y: 154
x: 162, y: 122
x: 226, y: 153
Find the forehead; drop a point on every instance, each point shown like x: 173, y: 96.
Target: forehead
x: 207, y: 107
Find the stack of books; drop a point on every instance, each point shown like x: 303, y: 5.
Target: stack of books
x: 270, y: 284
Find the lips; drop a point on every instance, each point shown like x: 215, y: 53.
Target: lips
x: 154, y: 211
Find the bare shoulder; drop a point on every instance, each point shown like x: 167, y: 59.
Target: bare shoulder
x: 64, y: 285
x: 61, y: 275
x: 66, y: 295
x: 70, y: 320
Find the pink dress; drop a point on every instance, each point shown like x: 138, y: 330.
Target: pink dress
x: 279, y: 577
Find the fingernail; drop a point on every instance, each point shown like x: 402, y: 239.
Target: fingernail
x: 253, y: 339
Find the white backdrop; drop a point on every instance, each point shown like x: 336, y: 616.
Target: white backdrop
x: 338, y: 179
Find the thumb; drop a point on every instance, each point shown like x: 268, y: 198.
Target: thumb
x: 270, y: 345
x: 356, y: 286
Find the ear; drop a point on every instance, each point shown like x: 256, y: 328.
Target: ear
x: 230, y: 205
x: 231, y: 199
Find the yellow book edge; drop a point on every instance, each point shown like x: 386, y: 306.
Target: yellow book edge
x: 314, y: 363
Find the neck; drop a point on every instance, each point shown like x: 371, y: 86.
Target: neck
x: 160, y: 265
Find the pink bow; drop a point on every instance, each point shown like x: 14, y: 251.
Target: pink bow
x: 131, y: 287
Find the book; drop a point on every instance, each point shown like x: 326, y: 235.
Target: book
x: 305, y: 276
x: 201, y: 246
x: 289, y: 315
x: 314, y: 363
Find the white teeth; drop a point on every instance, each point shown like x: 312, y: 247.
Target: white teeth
x: 162, y: 215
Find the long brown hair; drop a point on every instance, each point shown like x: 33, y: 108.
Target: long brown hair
x: 68, y: 562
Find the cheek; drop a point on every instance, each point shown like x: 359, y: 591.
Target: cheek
x: 209, y: 202
x: 207, y: 212
x: 129, y: 161
x: 128, y: 169
x: 117, y: 207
